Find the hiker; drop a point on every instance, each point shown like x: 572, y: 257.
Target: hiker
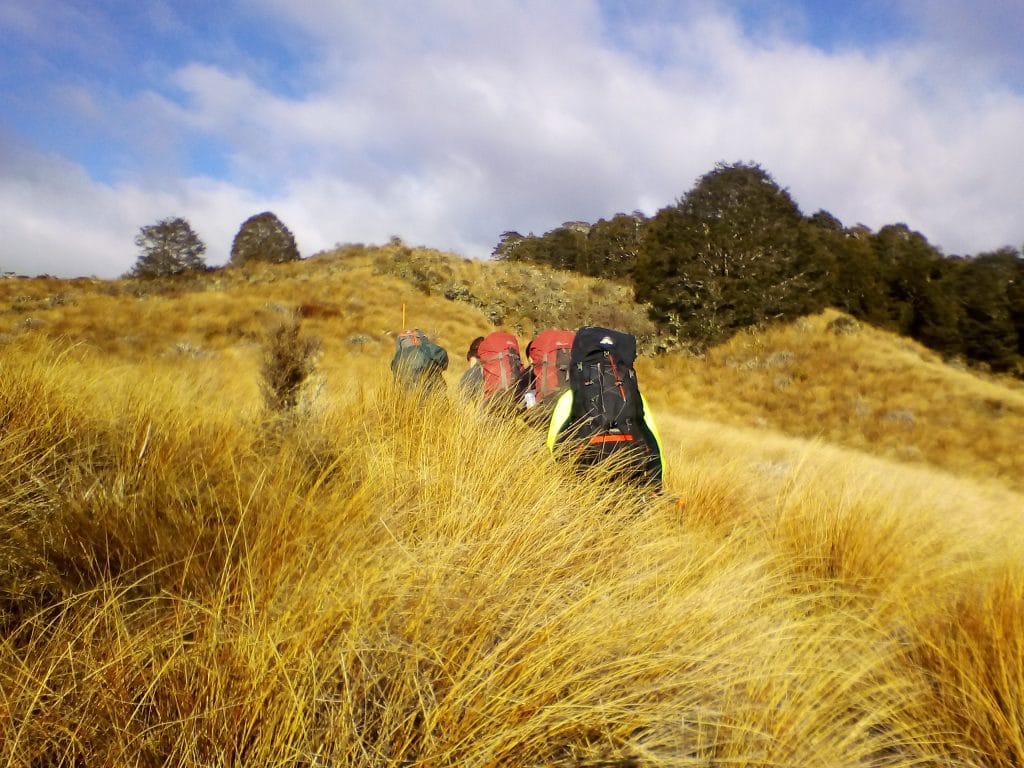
x: 548, y: 374
x: 602, y: 415
x: 504, y: 378
x: 471, y: 384
x: 418, y: 362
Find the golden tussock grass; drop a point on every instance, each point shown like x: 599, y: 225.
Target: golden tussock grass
x: 867, y: 390
x: 187, y: 579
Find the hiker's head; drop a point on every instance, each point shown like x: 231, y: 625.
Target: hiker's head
x: 474, y: 348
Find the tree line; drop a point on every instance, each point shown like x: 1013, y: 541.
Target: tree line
x: 171, y: 247
x: 736, y: 251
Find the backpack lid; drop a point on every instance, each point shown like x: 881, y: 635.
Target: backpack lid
x: 548, y: 342
x: 592, y: 340
x: 415, y: 352
x: 502, y: 364
x: 606, y: 395
x: 411, y: 337
x: 496, y: 344
x: 549, y: 354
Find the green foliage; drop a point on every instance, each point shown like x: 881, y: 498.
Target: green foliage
x: 1015, y: 295
x: 824, y: 220
x: 857, y: 286
x: 613, y: 245
x: 906, y: 262
x: 169, y: 247
x: 989, y: 291
x: 264, y: 237
x: 567, y: 249
x: 734, y: 252
x: 605, y: 249
x: 507, y: 245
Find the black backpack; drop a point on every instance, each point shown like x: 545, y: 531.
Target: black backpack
x: 607, y: 417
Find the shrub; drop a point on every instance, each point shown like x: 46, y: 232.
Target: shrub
x: 288, y: 361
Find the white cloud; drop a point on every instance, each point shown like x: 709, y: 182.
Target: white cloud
x: 559, y: 125
x: 982, y: 37
x: 447, y: 123
x: 56, y: 221
x: 60, y: 222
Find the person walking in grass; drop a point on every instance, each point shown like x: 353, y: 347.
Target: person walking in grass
x: 418, y: 362
x: 495, y: 375
x: 602, y: 417
x: 548, y: 374
x: 471, y: 383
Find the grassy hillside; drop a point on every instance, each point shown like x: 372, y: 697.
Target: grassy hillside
x: 187, y: 579
x: 829, y: 378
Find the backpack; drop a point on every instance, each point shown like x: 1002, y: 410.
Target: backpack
x: 502, y: 364
x: 549, y: 352
x: 418, y: 360
x: 608, y: 412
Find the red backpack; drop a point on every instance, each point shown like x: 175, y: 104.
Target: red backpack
x: 549, y: 353
x: 502, y: 364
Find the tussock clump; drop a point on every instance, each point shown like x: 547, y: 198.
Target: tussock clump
x: 370, y: 591
x: 843, y: 325
x: 289, y: 359
x: 973, y: 656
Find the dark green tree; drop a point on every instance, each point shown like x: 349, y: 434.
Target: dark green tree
x: 1015, y: 295
x: 613, y: 245
x: 565, y: 248
x: 936, y: 319
x: 263, y: 237
x: 530, y: 248
x: 507, y: 248
x: 735, y: 251
x: 822, y: 219
x: 169, y: 247
x: 920, y: 299
x: 683, y: 295
x: 857, y: 285
x: 988, y: 291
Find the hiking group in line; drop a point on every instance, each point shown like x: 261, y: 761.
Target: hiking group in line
x: 581, y: 384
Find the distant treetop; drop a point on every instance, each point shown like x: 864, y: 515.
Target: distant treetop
x: 169, y: 247
x: 263, y: 237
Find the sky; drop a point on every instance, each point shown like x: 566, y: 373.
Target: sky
x: 449, y: 122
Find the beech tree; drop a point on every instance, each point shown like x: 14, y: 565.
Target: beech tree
x: 734, y: 251
x: 987, y: 289
x: 612, y: 245
x: 169, y: 247
x: 263, y: 237
x: 509, y: 241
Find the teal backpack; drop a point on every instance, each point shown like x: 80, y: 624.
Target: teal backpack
x: 418, y: 362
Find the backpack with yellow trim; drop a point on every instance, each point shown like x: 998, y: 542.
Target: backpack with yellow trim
x: 607, y: 416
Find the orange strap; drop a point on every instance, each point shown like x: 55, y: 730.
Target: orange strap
x: 615, y: 373
x: 611, y: 439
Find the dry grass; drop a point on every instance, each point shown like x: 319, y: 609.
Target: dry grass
x: 868, y: 390
x: 390, y: 584
x: 527, y: 298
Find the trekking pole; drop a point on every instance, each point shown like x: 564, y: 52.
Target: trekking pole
x: 403, y: 315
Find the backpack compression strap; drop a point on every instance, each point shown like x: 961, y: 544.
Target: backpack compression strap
x: 615, y: 373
